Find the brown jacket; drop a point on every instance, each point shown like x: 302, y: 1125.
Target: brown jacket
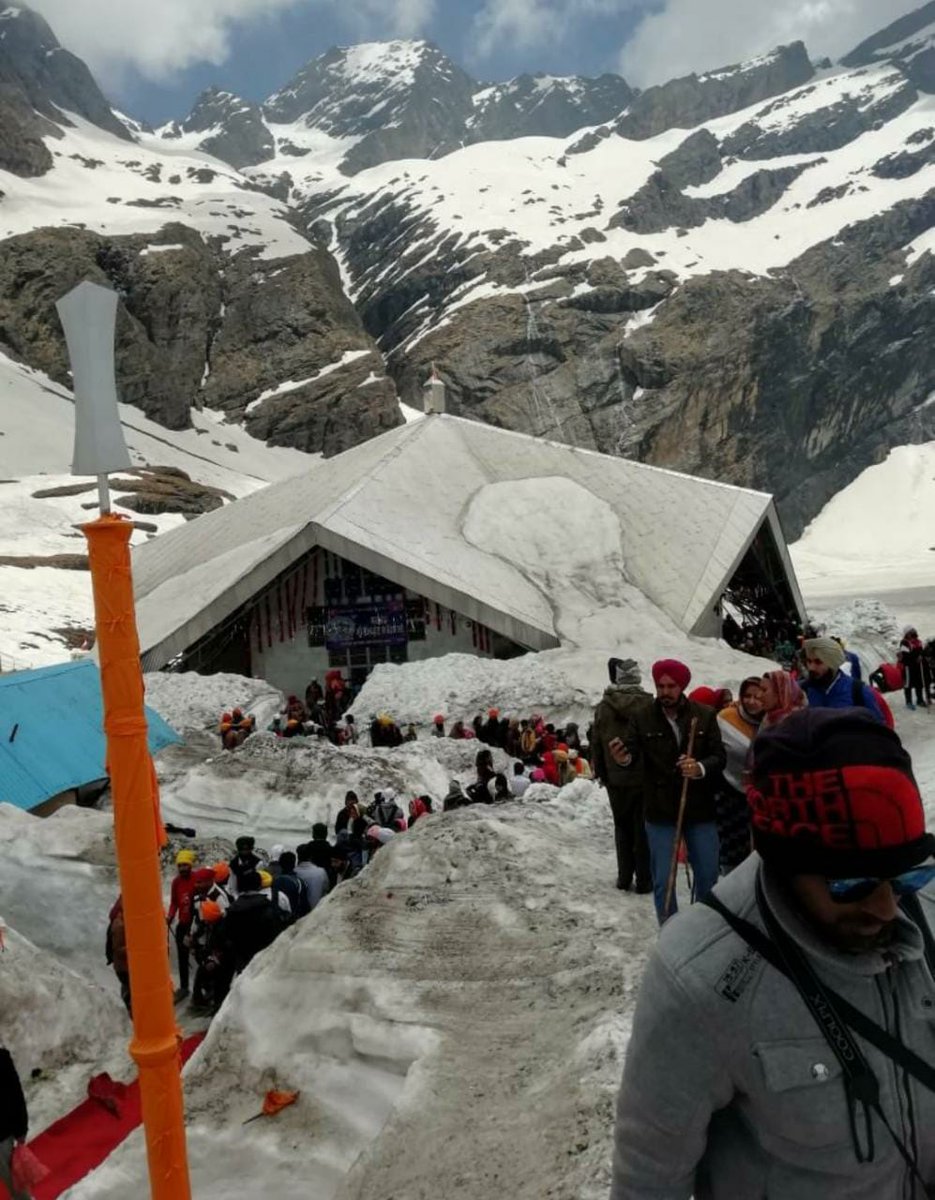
x: 656, y: 751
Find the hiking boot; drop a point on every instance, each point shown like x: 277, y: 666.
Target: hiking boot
x: 623, y: 885
x: 180, y: 994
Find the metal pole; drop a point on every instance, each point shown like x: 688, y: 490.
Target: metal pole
x: 103, y: 493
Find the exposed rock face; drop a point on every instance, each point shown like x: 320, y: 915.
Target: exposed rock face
x: 157, y: 489
x: 22, y: 150
x: 168, y: 301
x: 294, y: 312
x: 196, y: 327
x: 697, y: 98
x: 543, y: 106
x: 910, y: 41
x: 660, y: 204
x: 36, y: 72
x: 242, y: 138
x: 828, y: 128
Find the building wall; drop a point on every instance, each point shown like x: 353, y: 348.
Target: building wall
x: 279, y: 646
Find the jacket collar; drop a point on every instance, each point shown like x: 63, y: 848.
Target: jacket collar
x: 907, y: 944
x: 680, y: 709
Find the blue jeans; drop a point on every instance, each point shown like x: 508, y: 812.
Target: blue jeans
x: 703, y: 854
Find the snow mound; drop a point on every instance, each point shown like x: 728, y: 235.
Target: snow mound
x: 460, y: 685
x: 276, y: 789
x: 561, y: 685
x: 462, y: 981
x: 58, y: 883
x: 868, y: 628
x: 863, y: 619
x: 58, y: 1023
x: 191, y: 701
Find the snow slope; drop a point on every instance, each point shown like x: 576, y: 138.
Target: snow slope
x: 878, y: 535
x: 460, y: 983
x: 36, y: 436
x: 59, y: 1024
x: 103, y: 183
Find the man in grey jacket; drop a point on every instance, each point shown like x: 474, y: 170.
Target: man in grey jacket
x: 745, y: 1076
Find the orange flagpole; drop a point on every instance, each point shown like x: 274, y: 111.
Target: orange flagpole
x: 88, y: 314
x: 139, y: 835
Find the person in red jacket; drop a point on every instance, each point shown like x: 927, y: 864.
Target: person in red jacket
x: 182, y: 905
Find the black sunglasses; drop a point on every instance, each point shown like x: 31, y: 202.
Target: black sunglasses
x: 849, y: 891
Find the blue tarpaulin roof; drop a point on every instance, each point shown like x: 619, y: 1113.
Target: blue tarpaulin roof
x: 52, y: 732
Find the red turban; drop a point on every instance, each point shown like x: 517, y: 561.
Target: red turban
x: 676, y: 671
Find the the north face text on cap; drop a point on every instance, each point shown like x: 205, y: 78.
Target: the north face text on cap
x: 846, y: 808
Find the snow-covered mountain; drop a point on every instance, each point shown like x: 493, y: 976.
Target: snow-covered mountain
x: 386, y: 101
x: 729, y: 273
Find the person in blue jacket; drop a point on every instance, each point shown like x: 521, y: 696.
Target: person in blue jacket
x: 827, y: 686
x: 852, y: 666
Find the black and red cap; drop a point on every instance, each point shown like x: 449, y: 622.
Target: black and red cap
x: 832, y: 793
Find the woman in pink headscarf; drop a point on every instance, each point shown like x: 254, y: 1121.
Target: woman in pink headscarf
x: 780, y: 696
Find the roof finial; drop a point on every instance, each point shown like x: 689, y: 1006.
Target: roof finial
x: 434, y: 392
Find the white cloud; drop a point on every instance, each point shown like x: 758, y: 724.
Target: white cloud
x: 161, y: 37
x: 697, y: 35
x: 527, y: 24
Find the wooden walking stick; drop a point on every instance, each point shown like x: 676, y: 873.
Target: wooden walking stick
x: 683, y: 801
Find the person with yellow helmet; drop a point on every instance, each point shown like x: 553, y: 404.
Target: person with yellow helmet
x: 182, y: 905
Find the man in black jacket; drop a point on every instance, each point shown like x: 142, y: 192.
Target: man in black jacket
x: 613, y: 719
x: 658, y: 745
x: 292, y: 887
x: 14, y: 1123
x: 252, y: 922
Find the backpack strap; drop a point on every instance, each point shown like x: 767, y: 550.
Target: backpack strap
x: 857, y: 694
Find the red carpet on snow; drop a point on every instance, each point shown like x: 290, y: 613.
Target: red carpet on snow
x: 85, y: 1137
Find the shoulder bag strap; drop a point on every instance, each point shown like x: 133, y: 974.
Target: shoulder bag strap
x: 835, y: 1017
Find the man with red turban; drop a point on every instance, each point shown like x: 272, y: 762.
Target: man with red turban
x: 658, y: 743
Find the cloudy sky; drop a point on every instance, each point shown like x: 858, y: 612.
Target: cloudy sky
x: 153, y: 56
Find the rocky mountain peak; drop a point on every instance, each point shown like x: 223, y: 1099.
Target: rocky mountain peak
x: 353, y: 90
x: 40, y: 83
x: 545, y: 106
x: 910, y: 41
x: 234, y: 128
x: 694, y: 99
